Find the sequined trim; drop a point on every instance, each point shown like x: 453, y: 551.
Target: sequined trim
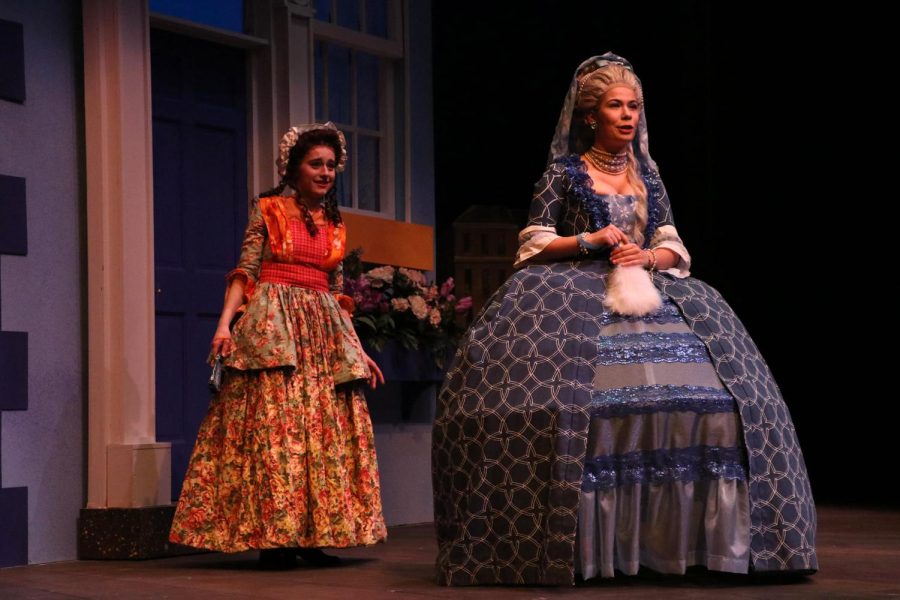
x: 645, y: 399
x: 597, y: 207
x: 630, y: 348
x: 695, y: 463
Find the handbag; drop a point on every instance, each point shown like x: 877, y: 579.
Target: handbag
x: 215, y: 377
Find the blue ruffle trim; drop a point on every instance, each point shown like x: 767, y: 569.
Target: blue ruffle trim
x: 654, y: 195
x: 696, y: 463
x: 594, y: 204
x: 645, y: 399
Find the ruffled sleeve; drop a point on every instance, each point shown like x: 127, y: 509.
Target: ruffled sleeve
x: 666, y: 236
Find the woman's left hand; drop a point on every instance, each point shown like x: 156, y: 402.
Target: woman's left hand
x: 629, y: 255
x: 376, y: 375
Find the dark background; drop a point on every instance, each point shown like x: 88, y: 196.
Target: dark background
x: 763, y: 124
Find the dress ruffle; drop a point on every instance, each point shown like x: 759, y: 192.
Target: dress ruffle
x: 284, y: 325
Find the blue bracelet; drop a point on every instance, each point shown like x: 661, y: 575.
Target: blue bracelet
x: 586, y: 244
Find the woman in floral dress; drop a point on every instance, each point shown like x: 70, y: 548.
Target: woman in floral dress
x: 285, y: 460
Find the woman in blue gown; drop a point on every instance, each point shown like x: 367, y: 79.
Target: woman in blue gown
x: 605, y: 410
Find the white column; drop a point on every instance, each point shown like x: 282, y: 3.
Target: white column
x: 126, y: 467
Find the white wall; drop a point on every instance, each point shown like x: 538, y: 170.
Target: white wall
x: 41, y: 140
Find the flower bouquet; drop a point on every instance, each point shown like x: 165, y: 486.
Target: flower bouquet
x: 399, y: 304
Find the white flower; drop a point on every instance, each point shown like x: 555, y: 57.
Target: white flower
x: 385, y: 274
x: 413, y: 275
x: 435, y: 317
x: 400, y: 304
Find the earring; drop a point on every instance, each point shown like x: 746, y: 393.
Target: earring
x: 593, y: 125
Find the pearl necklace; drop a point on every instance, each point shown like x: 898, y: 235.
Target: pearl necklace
x: 613, y: 164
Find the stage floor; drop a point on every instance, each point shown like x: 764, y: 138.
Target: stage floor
x: 859, y: 557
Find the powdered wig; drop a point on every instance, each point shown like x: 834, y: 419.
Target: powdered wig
x: 593, y: 83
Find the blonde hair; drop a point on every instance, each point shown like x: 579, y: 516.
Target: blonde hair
x: 592, y: 85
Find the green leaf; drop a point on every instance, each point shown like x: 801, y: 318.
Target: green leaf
x: 407, y: 340
x: 366, y: 320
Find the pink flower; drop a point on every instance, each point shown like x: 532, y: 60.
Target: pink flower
x: 371, y: 299
x: 418, y: 306
x: 464, y: 304
x: 435, y: 317
x: 447, y: 287
x: 400, y: 304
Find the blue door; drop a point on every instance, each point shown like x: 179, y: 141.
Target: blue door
x: 200, y: 211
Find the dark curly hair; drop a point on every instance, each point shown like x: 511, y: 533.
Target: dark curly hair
x: 307, y: 141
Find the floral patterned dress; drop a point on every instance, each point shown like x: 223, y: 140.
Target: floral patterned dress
x: 285, y: 456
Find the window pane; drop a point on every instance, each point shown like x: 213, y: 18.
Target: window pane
x: 224, y: 14
x: 323, y: 10
x: 348, y: 14
x: 339, y: 89
x: 368, y: 167
x: 343, y: 183
x: 367, y: 69
x: 318, y: 53
x: 376, y: 17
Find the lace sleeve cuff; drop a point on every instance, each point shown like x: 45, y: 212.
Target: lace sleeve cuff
x: 345, y: 302
x: 667, y: 237
x: 249, y: 282
x: 531, y: 241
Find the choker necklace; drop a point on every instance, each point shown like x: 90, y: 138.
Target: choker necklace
x: 613, y: 164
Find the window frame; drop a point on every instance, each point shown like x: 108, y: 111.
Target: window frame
x: 391, y: 54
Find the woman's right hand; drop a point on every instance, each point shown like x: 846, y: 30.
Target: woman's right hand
x: 222, y: 342
x: 607, y: 237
